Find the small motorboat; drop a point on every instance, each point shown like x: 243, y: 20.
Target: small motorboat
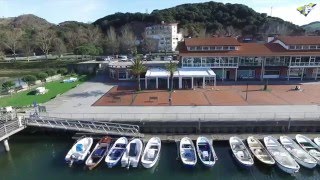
x: 99, y: 152
x: 131, y: 156
x: 283, y: 159
x: 317, y: 141
x: 187, y: 152
x: 309, y: 146
x: 301, y: 156
x: 259, y: 151
x: 79, y: 151
x: 240, y: 152
x: 206, y: 152
x: 114, y: 155
x: 151, y: 152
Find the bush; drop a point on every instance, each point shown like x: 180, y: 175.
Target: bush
x: 51, y: 72
x: 62, y: 71
x: 29, y: 79
x: 8, y: 85
x: 42, y: 76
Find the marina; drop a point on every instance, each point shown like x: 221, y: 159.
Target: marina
x: 37, y: 156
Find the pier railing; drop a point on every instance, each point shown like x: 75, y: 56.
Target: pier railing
x: 85, y: 126
x: 277, y: 116
x: 11, y: 127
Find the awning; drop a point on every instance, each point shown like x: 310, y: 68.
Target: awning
x: 181, y: 72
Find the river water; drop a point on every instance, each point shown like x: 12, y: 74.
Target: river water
x: 34, y: 157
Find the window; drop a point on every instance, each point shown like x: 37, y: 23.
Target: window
x: 272, y: 72
x: 218, y: 47
x: 246, y: 74
x: 232, y: 48
x: 212, y: 48
x: 318, y: 47
x: 298, y: 47
x: 305, y: 47
x: 205, y: 48
x: 292, y: 47
x: 191, y: 48
x: 225, y: 47
x: 122, y: 75
x: 313, y: 47
x: 198, y: 48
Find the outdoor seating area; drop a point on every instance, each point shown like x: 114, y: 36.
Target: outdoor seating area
x: 226, y: 95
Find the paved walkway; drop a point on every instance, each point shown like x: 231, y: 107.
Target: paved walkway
x: 77, y: 103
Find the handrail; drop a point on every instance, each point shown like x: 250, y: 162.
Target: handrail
x: 82, y: 125
x: 6, y: 129
x: 188, y: 116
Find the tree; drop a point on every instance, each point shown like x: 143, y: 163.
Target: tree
x: 128, y: 40
x: 59, y: 47
x: 136, y: 69
x: 42, y: 76
x: 62, y: 71
x: 93, y: 35
x: 149, y: 45
x: 51, y: 72
x: 8, y: 85
x: 45, y: 38
x: 11, y: 40
x: 29, y: 79
x: 88, y: 49
x: 112, y: 42
x: 2, y: 56
x: 171, y: 68
x: 28, y: 44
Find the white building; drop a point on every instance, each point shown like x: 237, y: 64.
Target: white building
x: 166, y: 35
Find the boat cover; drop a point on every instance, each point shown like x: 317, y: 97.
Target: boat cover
x: 79, y: 148
x: 133, y: 149
x: 98, y: 152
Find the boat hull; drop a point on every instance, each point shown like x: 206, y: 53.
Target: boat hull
x: 241, y: 164
x: 148, y: 163
x: 287, y: 170
x: 305, y: 164
x: 209, y: 163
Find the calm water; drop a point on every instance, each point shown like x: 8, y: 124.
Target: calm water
x: 42, y: 157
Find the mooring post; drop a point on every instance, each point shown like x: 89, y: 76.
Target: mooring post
x: 19, y: 121
x: 6, y: 145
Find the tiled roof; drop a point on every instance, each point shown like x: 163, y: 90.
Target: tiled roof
x: 214, y: 41
x: 300, y: 40
x: 251, y: 49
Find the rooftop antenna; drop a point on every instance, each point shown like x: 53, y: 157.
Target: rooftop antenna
x: 271, y: 11
x: 147, y: 12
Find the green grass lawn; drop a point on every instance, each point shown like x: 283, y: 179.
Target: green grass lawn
x: 27, y: 97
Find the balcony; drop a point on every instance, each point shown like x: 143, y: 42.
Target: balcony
x: 304, y: 64
x: 211, y: 65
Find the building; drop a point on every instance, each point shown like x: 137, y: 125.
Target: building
x: 166, y: 36
x: 284, y: 57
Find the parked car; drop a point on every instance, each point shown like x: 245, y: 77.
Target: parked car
x: 123, y: 58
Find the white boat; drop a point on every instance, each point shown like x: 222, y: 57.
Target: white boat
x: 151, y: 152
x: 206, y: 152
x: 301, y: 156
x: 114, y: 155
x: 240, y: 152
x: 187, y: 152
x: 259, y: 151
x: 99, y: 152
x: 309, y: 146
x: 317, y: 141
x: 283, y: 159
x: 79, y: 150
x: 131, y: 156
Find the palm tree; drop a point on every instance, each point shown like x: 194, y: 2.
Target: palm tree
x: 136, y: 69
x: 171, y: 68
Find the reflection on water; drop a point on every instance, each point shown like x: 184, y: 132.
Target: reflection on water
x: 42, y: 157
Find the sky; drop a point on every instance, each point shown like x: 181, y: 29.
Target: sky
x: 56, y: 11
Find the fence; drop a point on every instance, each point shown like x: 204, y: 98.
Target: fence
x: 277, y: 116
x: 11, y: 127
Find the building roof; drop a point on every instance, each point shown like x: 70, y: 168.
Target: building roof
x: 213, y: 41
x: 253, y: 49
x: 300, y: 40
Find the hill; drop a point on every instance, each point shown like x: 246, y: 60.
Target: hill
x: 25, y: 21
x: 211, y: 16
x: 311, y: 27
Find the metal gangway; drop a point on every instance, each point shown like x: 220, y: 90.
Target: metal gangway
x: 96, y: 127
x: 11, y: 127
